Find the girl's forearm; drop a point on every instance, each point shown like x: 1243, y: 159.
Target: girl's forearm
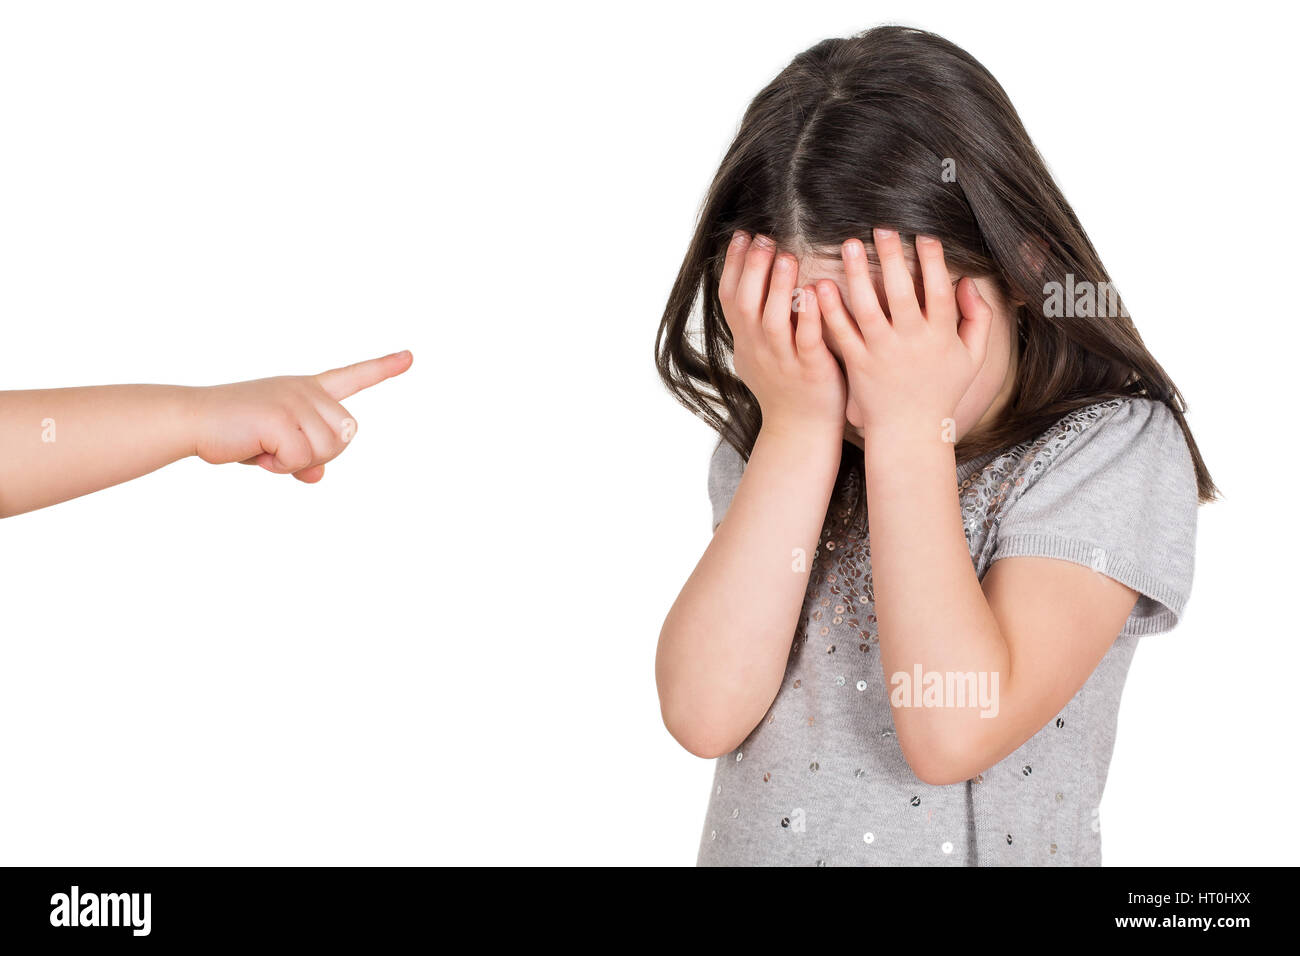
x: 930, y: 608
x: 725, y: 643
x: 57, y: 444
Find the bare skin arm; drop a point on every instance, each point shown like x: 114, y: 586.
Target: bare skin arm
x: 57, y: 444
x: 1040, y: 625
x: 724, y: 644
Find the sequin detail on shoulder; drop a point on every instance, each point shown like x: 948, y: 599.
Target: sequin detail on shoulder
x: 985, y: 492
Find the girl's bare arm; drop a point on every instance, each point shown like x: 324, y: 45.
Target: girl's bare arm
x: 724, y: 645
x: 1038, y: 626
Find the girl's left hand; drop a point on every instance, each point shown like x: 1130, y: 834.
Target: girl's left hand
x: 909, y: 370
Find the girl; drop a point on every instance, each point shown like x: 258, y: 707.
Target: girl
x: 58, y: 444
x: 907, y: 332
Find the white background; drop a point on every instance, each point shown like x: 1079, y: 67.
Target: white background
x: 444, y: 652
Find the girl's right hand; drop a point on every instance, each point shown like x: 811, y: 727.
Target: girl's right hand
x: 780, y: 354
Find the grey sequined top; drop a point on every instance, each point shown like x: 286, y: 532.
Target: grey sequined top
x: 821, y: 781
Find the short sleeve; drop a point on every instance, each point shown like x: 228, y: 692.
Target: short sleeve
x: 725, y: 469
x: 1120, y: 498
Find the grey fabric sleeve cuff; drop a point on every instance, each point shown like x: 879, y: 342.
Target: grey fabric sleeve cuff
x: 1159, y: 605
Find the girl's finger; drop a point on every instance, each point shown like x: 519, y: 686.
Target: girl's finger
x: 900, y: 290
x: 751, y: 293
x: 853, y: 413
x: 808, y: 327
x: 339, y: 383
x: 976, y: 319
x: 310, y: 475
x: 940, y: 304
x: 732, y: 267
x: 777, y: 325
x: 862, y: 291
x: 842, y: 326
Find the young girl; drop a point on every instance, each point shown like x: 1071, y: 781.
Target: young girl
x: 906, y: 330
x: 61, y: 443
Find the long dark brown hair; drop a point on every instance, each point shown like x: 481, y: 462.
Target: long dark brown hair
x: 899, y: 127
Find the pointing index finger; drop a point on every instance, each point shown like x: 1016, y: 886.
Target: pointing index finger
x: 339, y: 383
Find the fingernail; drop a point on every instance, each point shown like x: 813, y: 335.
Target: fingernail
x: 884, y: 233
x: 782, y: 264
x: 737, y: 236
x: 853, y: 249
x: 763, y: 241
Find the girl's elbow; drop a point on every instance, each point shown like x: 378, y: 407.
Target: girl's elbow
x: 702, y: 730
x: 700, y: 726
x: 697, y: 736
x: 942, y: 763
x: 704, y: 747
x: 938, y: 773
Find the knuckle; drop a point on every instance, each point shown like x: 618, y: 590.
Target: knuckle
x: 735, y: 315
x: 760, y: 249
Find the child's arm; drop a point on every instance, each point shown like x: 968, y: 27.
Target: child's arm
x: 1039, y: 624
x: 724, y: 645
x: 58, y: 444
